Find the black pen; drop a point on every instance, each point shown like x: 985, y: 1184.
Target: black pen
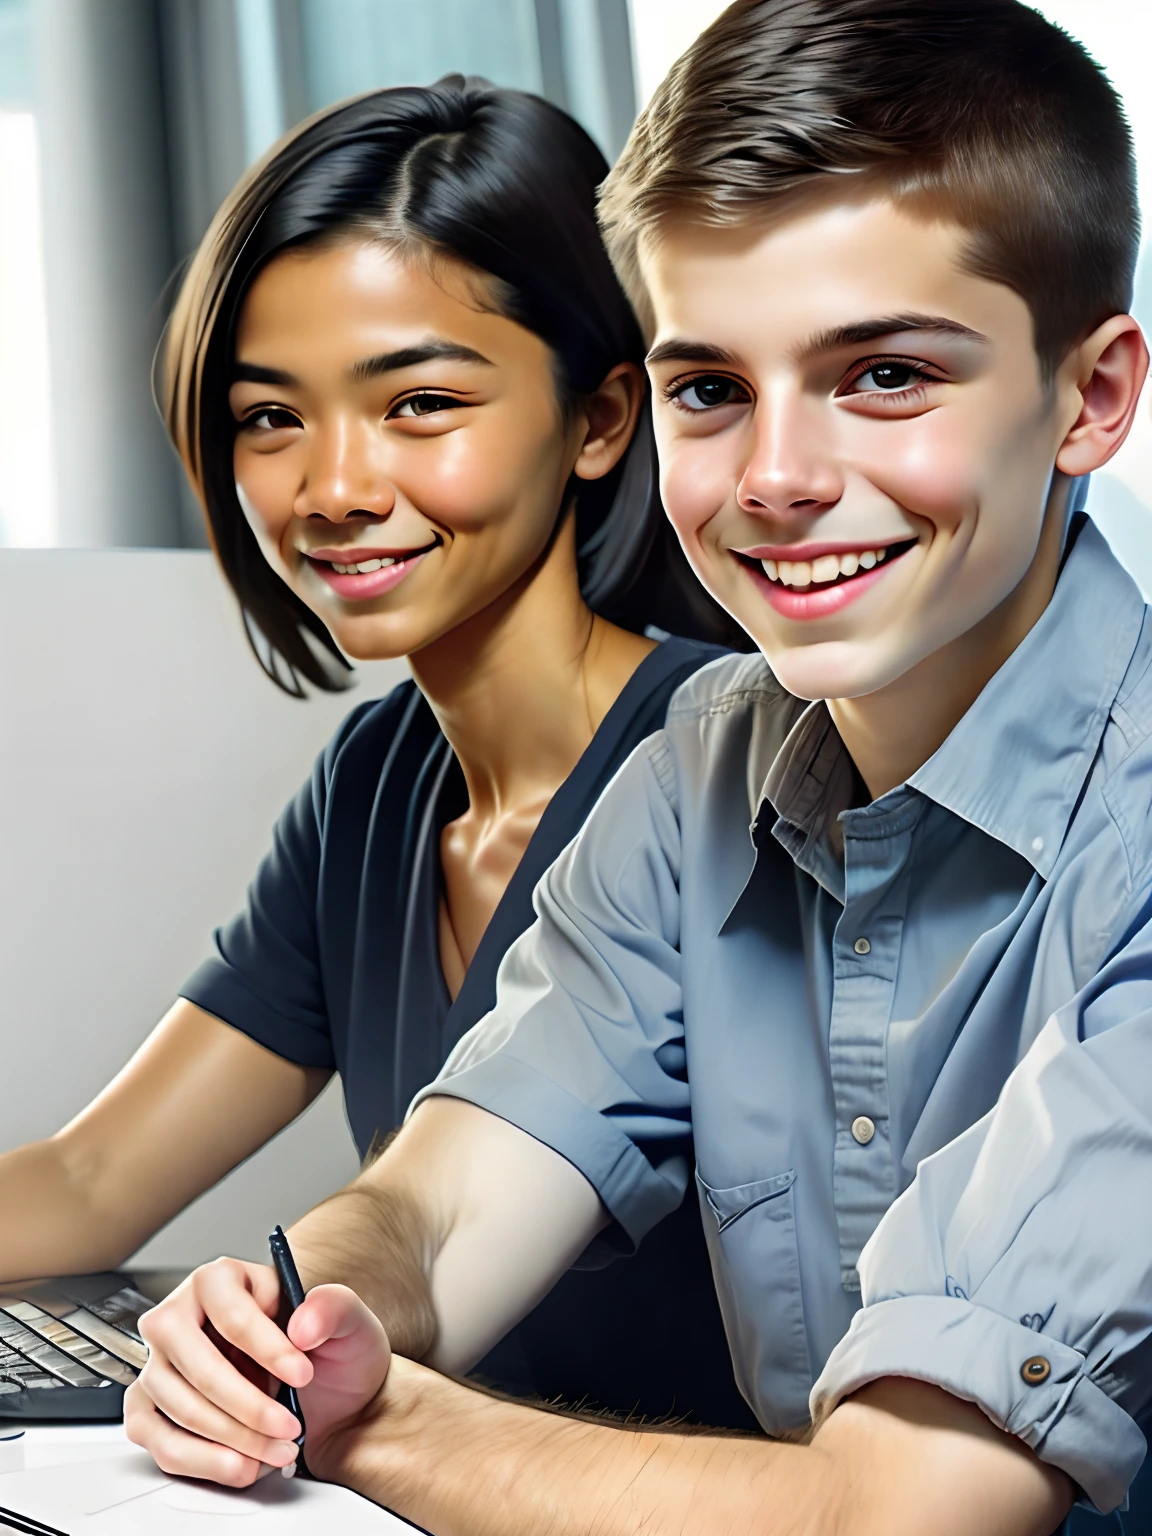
x: 293, y: 1293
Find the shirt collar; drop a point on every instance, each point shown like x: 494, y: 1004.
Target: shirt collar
x: 810, y: 782
x: 1016, y: 763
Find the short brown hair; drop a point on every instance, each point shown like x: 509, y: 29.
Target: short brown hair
x: 978, y: 109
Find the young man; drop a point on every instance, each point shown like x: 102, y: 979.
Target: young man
x: 893, y: 943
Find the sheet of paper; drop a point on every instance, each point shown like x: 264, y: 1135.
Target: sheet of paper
x: 125, y: 1495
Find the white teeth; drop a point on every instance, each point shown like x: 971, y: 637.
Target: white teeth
x: 363, y: 567
x: 825, y: 568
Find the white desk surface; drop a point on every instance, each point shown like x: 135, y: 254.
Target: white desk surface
x: 49, y: 1445
x: 156, y: 1506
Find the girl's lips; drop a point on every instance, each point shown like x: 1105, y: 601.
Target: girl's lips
x: 818, y: 604
x: 359, y: 586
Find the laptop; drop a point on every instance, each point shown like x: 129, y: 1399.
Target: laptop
x: 68, y: 1348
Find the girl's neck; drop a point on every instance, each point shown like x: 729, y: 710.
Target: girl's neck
x: 520, y: 689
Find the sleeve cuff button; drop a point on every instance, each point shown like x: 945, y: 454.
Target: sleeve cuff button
x: 1035, y: 1370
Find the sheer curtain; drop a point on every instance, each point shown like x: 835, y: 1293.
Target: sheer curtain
x: 27, y: 489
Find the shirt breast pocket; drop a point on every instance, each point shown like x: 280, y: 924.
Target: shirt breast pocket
x: 751, y: 1235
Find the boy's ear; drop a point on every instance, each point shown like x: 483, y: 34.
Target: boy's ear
x: 1106, y: 372
x: 611, y: 413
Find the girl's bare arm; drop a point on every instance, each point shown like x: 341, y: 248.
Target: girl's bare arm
x: 195, y: 1100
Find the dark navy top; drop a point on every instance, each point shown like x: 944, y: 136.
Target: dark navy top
x: 336, y: 963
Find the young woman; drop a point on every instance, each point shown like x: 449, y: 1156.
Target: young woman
x: 407, y: 389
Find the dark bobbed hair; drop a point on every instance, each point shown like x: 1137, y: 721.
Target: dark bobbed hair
x: 503, y: 182
x: 980, y: 111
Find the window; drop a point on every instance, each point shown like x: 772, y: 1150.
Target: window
x: 1119, y: 36
x: 119, y: 137
x: 26, y: 478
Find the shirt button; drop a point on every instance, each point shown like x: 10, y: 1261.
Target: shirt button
x: 1036, y: 1370
x: 862, y: 946
x: 863, y: 1129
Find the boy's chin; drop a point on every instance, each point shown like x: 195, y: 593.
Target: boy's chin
x: 833, y: 670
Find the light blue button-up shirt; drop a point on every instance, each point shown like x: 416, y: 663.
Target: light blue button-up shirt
x: 943, y: 996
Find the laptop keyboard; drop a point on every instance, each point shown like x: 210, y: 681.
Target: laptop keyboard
x: 89, y: 1345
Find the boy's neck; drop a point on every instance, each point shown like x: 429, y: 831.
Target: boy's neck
x: 891, y: 733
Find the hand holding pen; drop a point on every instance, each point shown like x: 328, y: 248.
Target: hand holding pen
x: 292, y: 1293
x: 196, y: 1407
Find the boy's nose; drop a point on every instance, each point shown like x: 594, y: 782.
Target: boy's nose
x: 791, y: 471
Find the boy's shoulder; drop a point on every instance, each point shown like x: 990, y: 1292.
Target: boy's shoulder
x: 724, y: 727
x: 733, y: 682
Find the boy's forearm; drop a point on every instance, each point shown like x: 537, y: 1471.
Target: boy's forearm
x: 375, y: 1242
x: 460, y: 1464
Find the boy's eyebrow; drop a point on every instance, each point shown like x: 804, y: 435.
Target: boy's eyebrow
x: 432, y: 350
x: 678, y: 350
x: 863, y: 331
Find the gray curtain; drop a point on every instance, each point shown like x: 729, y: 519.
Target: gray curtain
x: 149, y: 110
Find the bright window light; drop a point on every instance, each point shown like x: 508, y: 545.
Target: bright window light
x: 661, y: 31
x: 1118, y: 34
x: 26, y: 501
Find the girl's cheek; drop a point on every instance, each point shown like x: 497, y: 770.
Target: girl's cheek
x: 266, y: 519
x: 454, y: 493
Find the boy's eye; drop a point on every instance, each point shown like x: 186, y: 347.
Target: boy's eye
x: 707, y: 392
x: 425, y: 405
x: 889, y: 376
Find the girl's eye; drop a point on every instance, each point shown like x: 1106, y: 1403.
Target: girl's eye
x: 425, y: 405
x: 270, y: 418
x: 708, y: 392
x: 890, y: 377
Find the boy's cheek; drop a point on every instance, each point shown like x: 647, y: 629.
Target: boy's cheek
x: 933, y: 474
x: 698, y: 480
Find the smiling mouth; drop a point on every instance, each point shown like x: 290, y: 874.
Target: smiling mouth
x: 826, y: 571
x: 370, y: 562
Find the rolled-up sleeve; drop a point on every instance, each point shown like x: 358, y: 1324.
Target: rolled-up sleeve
x: 1016, y: 1270
x: 585, y: 1047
